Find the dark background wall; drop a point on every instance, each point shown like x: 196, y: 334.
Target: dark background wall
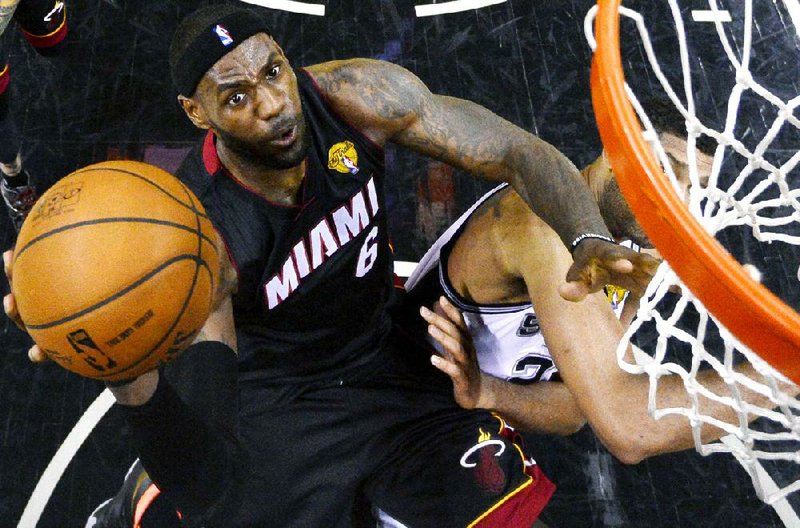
x: 107, y: 96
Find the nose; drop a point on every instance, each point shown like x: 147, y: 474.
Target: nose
x: 270, y: 101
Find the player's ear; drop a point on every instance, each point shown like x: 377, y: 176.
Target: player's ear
x: 194, y: 112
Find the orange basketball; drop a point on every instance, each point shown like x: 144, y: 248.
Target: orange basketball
x: 114, y: 269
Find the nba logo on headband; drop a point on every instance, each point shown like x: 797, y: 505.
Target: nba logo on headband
x: 223, y: 34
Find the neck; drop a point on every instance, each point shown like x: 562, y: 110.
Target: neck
x: 276, y: 185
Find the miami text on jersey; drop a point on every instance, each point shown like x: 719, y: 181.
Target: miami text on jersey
x: 322, y: 241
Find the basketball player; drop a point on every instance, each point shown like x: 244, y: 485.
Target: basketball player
x: 333, y: 401
x: 544, y: 364
x: 44, y: 25
x: 525, y: 332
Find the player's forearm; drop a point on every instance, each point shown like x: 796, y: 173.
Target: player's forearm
x: 672, y: 393
x: 136, y: 392
x: 617, y: 409
x: 546, y: 407
x: 554, y: 189
x: 192, y: 455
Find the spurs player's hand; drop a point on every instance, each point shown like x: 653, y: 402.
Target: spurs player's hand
x: 10, y: 308
x: 458, y: 359
x: 598, y: 262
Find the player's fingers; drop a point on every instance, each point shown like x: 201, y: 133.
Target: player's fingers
x: 453, y: 313
x: 441, y: 322
x: 36, y: 355
x: 10, y: 308
x: 7, y: 255
x: 647, y: 264
x: 8, y: 305
x: 574, y: 291
x: 620, y: 265
x: 588, y: 279
x: 447, y: 367
x: 451, y: 345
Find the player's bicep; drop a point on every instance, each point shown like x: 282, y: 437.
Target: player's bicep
x: 390, y: 103
x: 463, y: 134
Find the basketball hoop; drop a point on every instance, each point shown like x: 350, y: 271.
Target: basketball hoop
x: 721, y: 296
x: 750, y: 311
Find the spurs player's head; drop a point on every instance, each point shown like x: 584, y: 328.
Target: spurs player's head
x: 670, y: 126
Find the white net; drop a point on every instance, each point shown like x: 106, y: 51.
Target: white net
x: 732, y: 72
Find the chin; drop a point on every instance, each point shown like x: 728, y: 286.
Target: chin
x: 264, y: 156
x: 292, y: 157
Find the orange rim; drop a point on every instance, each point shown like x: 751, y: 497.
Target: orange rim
x: 750, y: 311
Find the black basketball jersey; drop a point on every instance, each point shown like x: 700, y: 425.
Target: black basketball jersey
x: 314, y: 278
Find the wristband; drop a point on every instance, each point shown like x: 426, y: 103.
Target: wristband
x: 581, y: 238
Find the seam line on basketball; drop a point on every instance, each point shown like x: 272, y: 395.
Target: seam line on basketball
x: 191, y: 207
x: 130, y: 287
x: 198, y: 264
x: 119, y: 219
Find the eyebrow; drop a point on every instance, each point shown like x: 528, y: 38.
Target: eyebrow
x: 222, y: 87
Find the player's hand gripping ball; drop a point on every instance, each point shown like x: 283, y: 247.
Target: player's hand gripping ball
x: 114, y: 270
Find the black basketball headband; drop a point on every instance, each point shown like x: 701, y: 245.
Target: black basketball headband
x: 219, y: 38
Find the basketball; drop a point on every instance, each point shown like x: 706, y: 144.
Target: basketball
x: 114, y: 270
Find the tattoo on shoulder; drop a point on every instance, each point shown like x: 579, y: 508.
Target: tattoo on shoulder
x: 385, y: 89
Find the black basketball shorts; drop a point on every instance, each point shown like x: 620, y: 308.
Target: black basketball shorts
x: 394, y: 436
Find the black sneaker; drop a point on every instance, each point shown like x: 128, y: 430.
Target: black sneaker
x: 19, y: 200
x: 137, y: 493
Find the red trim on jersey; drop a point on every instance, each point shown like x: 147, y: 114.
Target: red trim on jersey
x: 523, y: 506
x: 337, y: 114
x: 213, y: 165
x: 144, y: 502
x: 51, y: 39
x: 210, y: 156
x: 5, y: 78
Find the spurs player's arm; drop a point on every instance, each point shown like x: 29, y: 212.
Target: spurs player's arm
x: 389, y: 103
x: 501, y: 223
x: 543, y: 406
x: 582, y: 338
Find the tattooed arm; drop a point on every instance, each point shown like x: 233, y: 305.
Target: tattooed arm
x: 7, y: 9
x: 389, y: 103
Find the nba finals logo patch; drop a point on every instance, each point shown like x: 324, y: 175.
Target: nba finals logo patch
x: 223, y: 34
x: 342, y: 157
x: 615, y: 295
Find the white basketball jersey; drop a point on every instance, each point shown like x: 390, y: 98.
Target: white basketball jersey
x: 507, y: 337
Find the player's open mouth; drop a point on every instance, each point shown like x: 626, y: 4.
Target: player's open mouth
x: 286, y: 138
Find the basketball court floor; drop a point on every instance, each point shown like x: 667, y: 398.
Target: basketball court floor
x: 108, y: 96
